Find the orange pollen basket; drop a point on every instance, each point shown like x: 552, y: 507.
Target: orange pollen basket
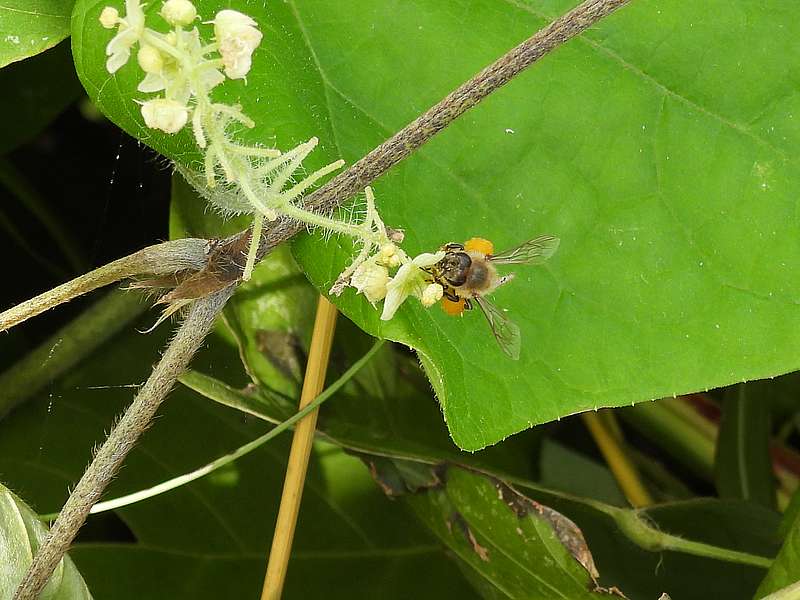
x: 479, y: 245
x: 453, y: 308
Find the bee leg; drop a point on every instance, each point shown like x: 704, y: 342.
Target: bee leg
x: 451, y: 296
x: 467, y: 304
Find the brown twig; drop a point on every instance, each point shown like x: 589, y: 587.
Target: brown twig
x: 120, y: 441
x: 321, y: 341
x: 225, y: 263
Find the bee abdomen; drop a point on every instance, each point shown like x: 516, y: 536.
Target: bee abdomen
x: 478, y: 276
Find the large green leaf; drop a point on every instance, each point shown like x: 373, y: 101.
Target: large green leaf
x: 21, y: 533
x: 28, y: 27
x: 660, y: 147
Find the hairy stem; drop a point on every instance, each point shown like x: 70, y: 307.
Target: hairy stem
x: 636, y: 527
x: 120, y: 441
x: 161, y: 259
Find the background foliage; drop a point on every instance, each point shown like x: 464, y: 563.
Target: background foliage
x: 661, y: 148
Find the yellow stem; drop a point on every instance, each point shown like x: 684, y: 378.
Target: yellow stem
x: 621, y: 467
x: 318, y: 355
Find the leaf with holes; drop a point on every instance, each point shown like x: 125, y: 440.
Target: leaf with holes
x: 660, y: 147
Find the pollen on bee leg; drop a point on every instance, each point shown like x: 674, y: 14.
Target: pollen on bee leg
x: 453, y: 308
x: 481, y: 245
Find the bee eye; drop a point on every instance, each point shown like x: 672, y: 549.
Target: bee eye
x: 479, y: 245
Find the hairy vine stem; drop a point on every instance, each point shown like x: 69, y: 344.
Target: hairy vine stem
x: 224, y: 267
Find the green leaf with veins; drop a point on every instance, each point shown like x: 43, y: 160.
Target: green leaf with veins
x: 28, y: 27
x: 660, y: 147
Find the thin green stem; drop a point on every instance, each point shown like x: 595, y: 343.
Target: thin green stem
x: 214, y: 465
x: 316, y: 220
x: 639, y: 531
x: 258, y: 223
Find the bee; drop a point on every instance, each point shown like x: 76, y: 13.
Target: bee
x: 468, y: 273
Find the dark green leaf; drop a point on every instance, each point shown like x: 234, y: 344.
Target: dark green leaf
x: 210, y: 539
x: 35, y: 92
x: 21, y: 534
x: 743, y: 464
x: 645, y: 575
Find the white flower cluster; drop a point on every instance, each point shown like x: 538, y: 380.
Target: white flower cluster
x: 184, y: 69
x: 178, y: 63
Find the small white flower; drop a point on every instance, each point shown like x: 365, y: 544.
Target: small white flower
x: 170, y: 77
x: 150, y: 59
x: 431, y: 295
x: 167, y: 115
x: 109, y: 17
x: 130, y: 30
x: 178, y: 12
x: 409, y: 280
x: 237, y: 36
x: 370, y: 279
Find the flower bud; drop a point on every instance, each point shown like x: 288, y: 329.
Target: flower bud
x: 178, y: 12
x: 431, y: 295
x: 150, y: 59
x: 109, y: 17
x: 167, y: 115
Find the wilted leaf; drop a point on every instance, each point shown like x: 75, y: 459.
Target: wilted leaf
x: 522, y: 548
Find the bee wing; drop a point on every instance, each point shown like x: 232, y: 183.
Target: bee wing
x: 504, y: 329
x: 532, y: 252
